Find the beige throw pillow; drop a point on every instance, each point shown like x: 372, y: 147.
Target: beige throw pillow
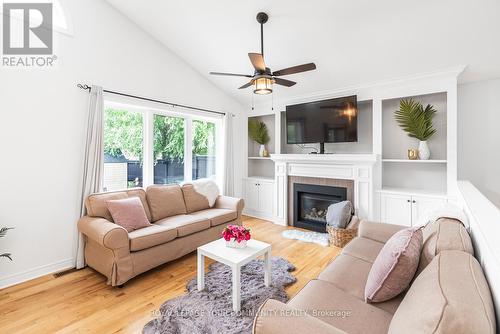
x: 394, y: 268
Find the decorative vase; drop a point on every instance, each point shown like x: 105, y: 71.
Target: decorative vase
x: 262, y: 150
x: 423, y: 150
x: 235, y: 244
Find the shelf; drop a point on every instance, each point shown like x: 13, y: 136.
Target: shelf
x: 262, y: 178
x: 410, y: 191
x: 259, y: 158
x: 415, y: 161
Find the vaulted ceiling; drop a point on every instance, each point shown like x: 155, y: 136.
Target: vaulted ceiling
x: 351, y: 41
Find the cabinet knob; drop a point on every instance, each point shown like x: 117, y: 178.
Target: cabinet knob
x: 414, y: 201
x: 408, y: 200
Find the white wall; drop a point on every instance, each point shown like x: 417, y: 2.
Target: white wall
x: 42, y: 128
x: 479, y: 136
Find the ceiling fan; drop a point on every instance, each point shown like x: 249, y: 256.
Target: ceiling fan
x: 263, y: 79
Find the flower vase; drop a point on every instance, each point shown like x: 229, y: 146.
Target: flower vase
x: 235, y: 244
x: 262, y: 150
x: 423, y: 150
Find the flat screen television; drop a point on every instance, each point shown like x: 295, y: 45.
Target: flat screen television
x: 328, y: 121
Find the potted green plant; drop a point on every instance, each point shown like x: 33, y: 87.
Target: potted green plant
x: 3, y: 232
x: 257, y: 131
x: 416, y: 121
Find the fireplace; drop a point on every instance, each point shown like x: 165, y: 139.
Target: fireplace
x: 310, y: 204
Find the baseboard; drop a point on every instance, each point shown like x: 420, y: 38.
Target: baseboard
x: 259, y: 215
x: 28, y: 275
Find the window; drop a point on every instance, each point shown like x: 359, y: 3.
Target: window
x: 123, y: 149
x: 168, y: 149
x: 204, y: 144
x: 144, y: 146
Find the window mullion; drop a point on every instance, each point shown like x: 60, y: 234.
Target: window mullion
x: 188, y: 149
x: 148, y: 159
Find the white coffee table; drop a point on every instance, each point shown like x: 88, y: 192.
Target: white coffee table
x: 235, y: 258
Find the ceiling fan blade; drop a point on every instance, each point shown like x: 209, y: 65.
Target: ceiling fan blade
x: 232, y: 74
x: 257, y: 61
x: 284, y: 82
x: 248, y: 84
x: 295, y: 69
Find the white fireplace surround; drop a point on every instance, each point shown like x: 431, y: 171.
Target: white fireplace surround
x: 356, y: 167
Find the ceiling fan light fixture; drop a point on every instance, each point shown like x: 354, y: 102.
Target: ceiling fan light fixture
x: 263, y: 86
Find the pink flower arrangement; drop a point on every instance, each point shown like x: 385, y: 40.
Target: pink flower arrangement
x: 239, y: 233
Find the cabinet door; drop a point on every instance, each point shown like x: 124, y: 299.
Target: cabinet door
x: 422, y: 205
x: 396, y: 209
x: 251, y: 195
x: 266, y: 197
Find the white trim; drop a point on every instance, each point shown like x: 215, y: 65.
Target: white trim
x: 484, y: 228
x: 36, y: 272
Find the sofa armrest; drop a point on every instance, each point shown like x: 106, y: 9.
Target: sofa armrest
x: 275, y: 317
x: 231, y: 203
x: 104, y: 232
x: 380, y: 232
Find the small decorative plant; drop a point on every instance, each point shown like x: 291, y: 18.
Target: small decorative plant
x: 257, y: 131
x: 416, y: 121
x: 3, y: 232
x: 236, y: 236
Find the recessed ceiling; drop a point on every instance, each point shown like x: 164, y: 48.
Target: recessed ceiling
x: 351, y: 42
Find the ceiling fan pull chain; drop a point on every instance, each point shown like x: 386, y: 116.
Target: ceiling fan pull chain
x: 252, y: 102
x: 272, y: 102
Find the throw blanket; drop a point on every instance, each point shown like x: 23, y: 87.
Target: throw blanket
x: 446, y: 211
x: 207, y: 188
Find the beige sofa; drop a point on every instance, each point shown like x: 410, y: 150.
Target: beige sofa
x: 182, y: 221
x: 449, y: 294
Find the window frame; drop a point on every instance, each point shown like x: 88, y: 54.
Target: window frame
x: 148, y: 114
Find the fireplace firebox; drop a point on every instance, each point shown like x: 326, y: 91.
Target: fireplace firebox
x: 310, y: 204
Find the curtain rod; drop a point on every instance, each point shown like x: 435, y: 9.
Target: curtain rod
x: 87, y: 87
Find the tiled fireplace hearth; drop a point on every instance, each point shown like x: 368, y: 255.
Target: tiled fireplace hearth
x: 310, y: 204
x: 353, y: 172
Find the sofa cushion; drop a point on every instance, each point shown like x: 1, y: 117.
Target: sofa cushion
x: 349, y: 274
x: 451, y: 295
x: 185, y: 224
x: 151, y: 236
x: 354, y: 315
x: 363, y: 248
x: 96, y: 203
x: 165, y: 201
x: 217, y: 216
x: 395, y: 266
x: 128, y: 213
x: 443, y: 234
x: 194, y: 200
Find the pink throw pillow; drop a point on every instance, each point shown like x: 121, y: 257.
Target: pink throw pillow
x: 128, y: 213
x: 395, y: 265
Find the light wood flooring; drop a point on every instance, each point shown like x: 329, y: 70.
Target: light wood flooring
x: 81, y: 302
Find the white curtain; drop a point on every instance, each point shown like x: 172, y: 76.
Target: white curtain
x: 93, y: 167
x: 228, y: 155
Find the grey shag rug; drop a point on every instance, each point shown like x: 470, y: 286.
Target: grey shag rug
x: 211, y: 310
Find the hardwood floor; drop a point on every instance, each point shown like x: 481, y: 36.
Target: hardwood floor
x: 81, y: 302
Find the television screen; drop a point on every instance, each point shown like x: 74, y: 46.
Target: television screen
x: 328, y: 121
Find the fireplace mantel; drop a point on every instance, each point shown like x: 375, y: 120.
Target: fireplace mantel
x: 326, y: 158
x: 356, y: 167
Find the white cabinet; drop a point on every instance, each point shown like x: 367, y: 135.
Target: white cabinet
x: 396, y: 209
x: 407, y: 209
x: 259, y: 197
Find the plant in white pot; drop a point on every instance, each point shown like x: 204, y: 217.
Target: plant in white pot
x: 416, y: 121
x: 257, y: 131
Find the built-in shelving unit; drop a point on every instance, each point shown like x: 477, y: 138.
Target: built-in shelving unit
x: 262, y: 166
x: 415, y: 161
x: 402, y: 173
